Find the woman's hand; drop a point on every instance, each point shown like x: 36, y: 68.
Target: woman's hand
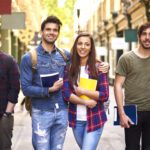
x: 90, y: 103
x: 79, y: 91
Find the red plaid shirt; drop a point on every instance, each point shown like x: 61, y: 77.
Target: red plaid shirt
x: 96, y: 117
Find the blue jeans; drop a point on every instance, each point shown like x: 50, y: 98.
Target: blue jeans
x: 86, y: 140
x: 49, y: 129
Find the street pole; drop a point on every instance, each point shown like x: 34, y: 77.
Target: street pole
x: 78, y: 15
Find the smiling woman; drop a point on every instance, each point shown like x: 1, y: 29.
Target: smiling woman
x: 83, y: 49
x: 86, y: 117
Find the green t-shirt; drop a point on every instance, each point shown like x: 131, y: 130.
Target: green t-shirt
x: 137, y: 83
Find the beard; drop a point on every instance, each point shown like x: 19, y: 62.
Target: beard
x: 144, y: 45
x: 47, y: 41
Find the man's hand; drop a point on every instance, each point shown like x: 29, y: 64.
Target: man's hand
x: 125, y: 121
x: 104, y: 67
x: 57, y: 85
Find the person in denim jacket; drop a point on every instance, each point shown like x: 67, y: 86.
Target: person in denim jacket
x: 49, y: 111
x: 86, y: 117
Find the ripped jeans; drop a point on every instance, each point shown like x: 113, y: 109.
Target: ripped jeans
x: 49, y: 129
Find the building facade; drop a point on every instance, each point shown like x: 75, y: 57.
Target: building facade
x: 15, y: 41
x: 109, y: 24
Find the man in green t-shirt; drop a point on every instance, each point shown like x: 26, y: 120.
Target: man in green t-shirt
x: 133, y: 73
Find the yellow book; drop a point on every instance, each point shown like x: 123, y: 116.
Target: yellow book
x: 88, y: 84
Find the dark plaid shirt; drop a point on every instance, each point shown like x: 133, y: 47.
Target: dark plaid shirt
x: 96, y: 117
x: 9, y: 81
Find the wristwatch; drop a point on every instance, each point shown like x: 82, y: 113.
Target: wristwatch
x: 7, y: 114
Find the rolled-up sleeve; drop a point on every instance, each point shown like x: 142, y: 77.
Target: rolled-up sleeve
x: 103, y: 86
x: 66, y: 89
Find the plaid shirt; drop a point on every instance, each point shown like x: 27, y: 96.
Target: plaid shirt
x: 96, y: 117
x: 9, y: 81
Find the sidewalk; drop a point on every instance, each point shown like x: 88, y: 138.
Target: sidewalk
x: 112, y: 137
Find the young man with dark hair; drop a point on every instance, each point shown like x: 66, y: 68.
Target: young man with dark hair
x: 9, y: 90
x: 49, y: 111
x: 133, y: 72
x: 52, y: 19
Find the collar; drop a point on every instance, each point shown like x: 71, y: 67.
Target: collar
x: 43, y: 51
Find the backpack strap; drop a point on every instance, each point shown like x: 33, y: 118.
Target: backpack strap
x: 63, y: 54
x: 33, y: 54
x: 27, y: 99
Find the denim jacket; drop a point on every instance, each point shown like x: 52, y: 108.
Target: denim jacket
x: 31, y: 83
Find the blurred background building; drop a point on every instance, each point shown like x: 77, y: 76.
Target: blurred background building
x: 113, y: 24
x: 16, y: 41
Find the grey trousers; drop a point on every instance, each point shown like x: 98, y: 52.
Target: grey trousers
x: 6, y: 129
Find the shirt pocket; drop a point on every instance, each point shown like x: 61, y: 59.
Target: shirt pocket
x: 43, y: 67
x: 59, y: 66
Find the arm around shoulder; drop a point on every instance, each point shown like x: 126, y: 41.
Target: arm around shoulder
x: 103, y: 86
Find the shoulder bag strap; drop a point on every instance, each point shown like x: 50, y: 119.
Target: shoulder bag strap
x: 33, y: 54
x: 62, y: 52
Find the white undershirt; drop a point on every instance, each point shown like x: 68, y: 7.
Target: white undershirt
x: 81, y: 109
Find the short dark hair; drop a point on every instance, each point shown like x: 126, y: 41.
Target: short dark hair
x: 51, y: 19
x: 143, y: 27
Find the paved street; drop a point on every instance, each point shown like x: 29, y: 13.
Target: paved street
x: 112, y: 137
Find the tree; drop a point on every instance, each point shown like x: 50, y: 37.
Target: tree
x: 66, y: 15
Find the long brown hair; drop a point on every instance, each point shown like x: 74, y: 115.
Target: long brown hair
x: 75, y: 60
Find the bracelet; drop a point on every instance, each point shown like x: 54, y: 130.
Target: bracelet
x: 7, y: 114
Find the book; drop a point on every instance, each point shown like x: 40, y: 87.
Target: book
x: 49, y: 79
x: 88, y: 84
x: 131, y: 112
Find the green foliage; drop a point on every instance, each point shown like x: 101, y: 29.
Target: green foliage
x: 65, y: 14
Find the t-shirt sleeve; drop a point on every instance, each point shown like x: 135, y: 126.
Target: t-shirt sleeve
x: 122, y: 67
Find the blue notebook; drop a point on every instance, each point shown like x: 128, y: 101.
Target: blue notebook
x: 49, y: 79
x: 131, y: 112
